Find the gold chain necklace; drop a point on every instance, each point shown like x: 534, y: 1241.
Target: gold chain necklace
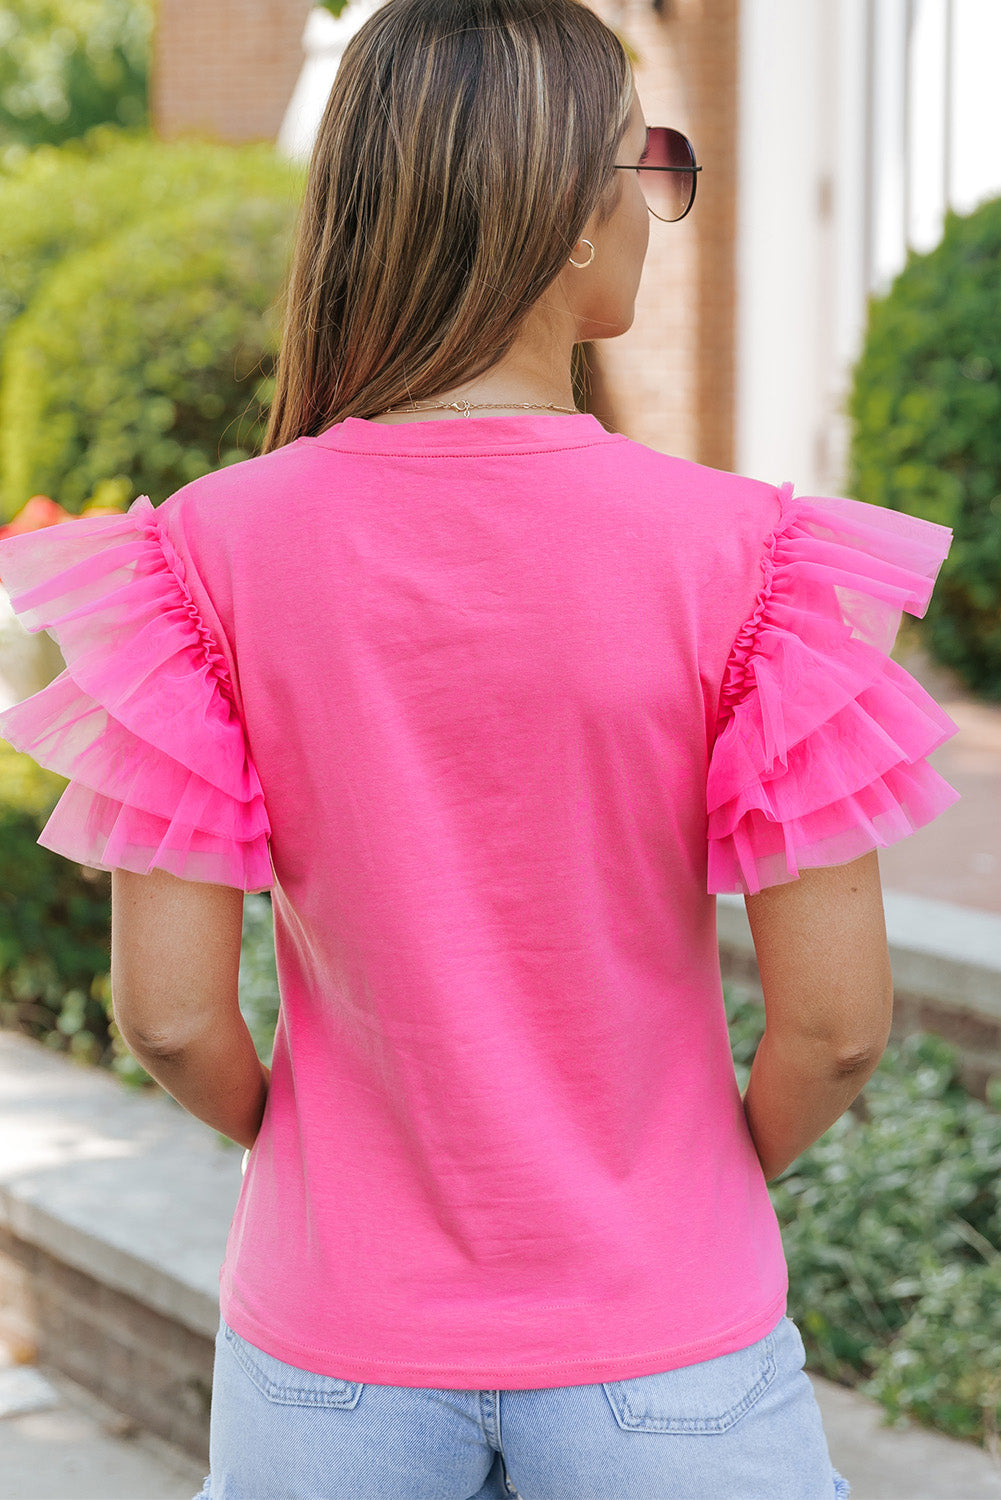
x: 467, y: 406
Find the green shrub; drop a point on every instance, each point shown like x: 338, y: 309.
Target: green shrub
x: 943, y: 1368
x: 55, y: 935
x: 891, y: 1224
x: 925, y: 413
x: 65, y: 65
x: 63, y: 199
x: 139, y: 357
x: 259, y: 1000
x: 54, y: 922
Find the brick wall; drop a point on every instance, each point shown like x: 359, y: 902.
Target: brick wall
x: 225, y: 69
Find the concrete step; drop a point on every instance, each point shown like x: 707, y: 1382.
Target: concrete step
x: 61, y: 1442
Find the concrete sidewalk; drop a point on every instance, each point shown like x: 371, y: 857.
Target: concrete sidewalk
x: 69, y: 1445
x: 957, y: 857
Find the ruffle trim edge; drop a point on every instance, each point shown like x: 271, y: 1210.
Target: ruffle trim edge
x: 143, y: 721
x: 821, y: 738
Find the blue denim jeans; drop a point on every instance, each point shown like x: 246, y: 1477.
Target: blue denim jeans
x: 742, y: 1426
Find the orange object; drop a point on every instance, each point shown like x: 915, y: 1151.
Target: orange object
x: 39, y: 511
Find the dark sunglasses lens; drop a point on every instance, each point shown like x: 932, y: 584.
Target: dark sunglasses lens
x: 669, y: 194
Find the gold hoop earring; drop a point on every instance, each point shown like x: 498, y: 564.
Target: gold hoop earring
x: 581, y: 263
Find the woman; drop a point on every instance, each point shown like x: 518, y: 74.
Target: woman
x: 495, y: 702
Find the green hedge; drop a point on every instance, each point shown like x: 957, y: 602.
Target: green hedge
x: 259, y: 998
x: 925, y: 413
x: 54, y: 923
x: 67, y: 64
x: 63, y: 199
x: 142, y: 357
x: 55, y: 938
x: 219, y: 211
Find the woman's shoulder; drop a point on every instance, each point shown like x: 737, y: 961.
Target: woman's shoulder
x: 233, y: 491
x: 717, y: 496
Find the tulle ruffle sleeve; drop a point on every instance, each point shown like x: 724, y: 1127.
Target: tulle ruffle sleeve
x: 821, y: 738
x: 142, y: 721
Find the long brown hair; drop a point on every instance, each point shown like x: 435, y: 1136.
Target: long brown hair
x: 463, y: 148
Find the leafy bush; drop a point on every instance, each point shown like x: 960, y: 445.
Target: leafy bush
x: 54, y: 922
x: 139, y: 357
x: 55, y: 933
x: 259, y: 1000
x: 65, y: 65
x: 892, y: 1230
x: 61, y: 200
x: 925, y: 409
x: 944, y: 1367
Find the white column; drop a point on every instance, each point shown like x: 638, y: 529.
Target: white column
x: 780, y: 233
x: 323, y: 41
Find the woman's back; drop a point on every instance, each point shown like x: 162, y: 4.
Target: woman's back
x: 507, y: 701
x: 479, y: 664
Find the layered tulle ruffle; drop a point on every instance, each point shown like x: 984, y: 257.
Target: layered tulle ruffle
x: 143, y: 720
x: 821, y: 736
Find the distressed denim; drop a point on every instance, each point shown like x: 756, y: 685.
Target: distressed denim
x: 742, y: 1426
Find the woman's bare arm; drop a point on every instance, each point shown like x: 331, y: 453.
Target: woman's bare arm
x: 825, y: 972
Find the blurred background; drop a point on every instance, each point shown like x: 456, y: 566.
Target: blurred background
x: 829, y: 313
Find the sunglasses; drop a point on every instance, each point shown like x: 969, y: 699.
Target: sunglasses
x: 666, y: 173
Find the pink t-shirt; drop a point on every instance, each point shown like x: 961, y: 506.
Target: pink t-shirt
x: 494, y: 706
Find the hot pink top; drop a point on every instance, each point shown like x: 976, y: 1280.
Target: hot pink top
x: 494, y: 706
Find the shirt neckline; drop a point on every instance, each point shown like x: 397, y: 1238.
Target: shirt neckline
x: 431, y: 437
